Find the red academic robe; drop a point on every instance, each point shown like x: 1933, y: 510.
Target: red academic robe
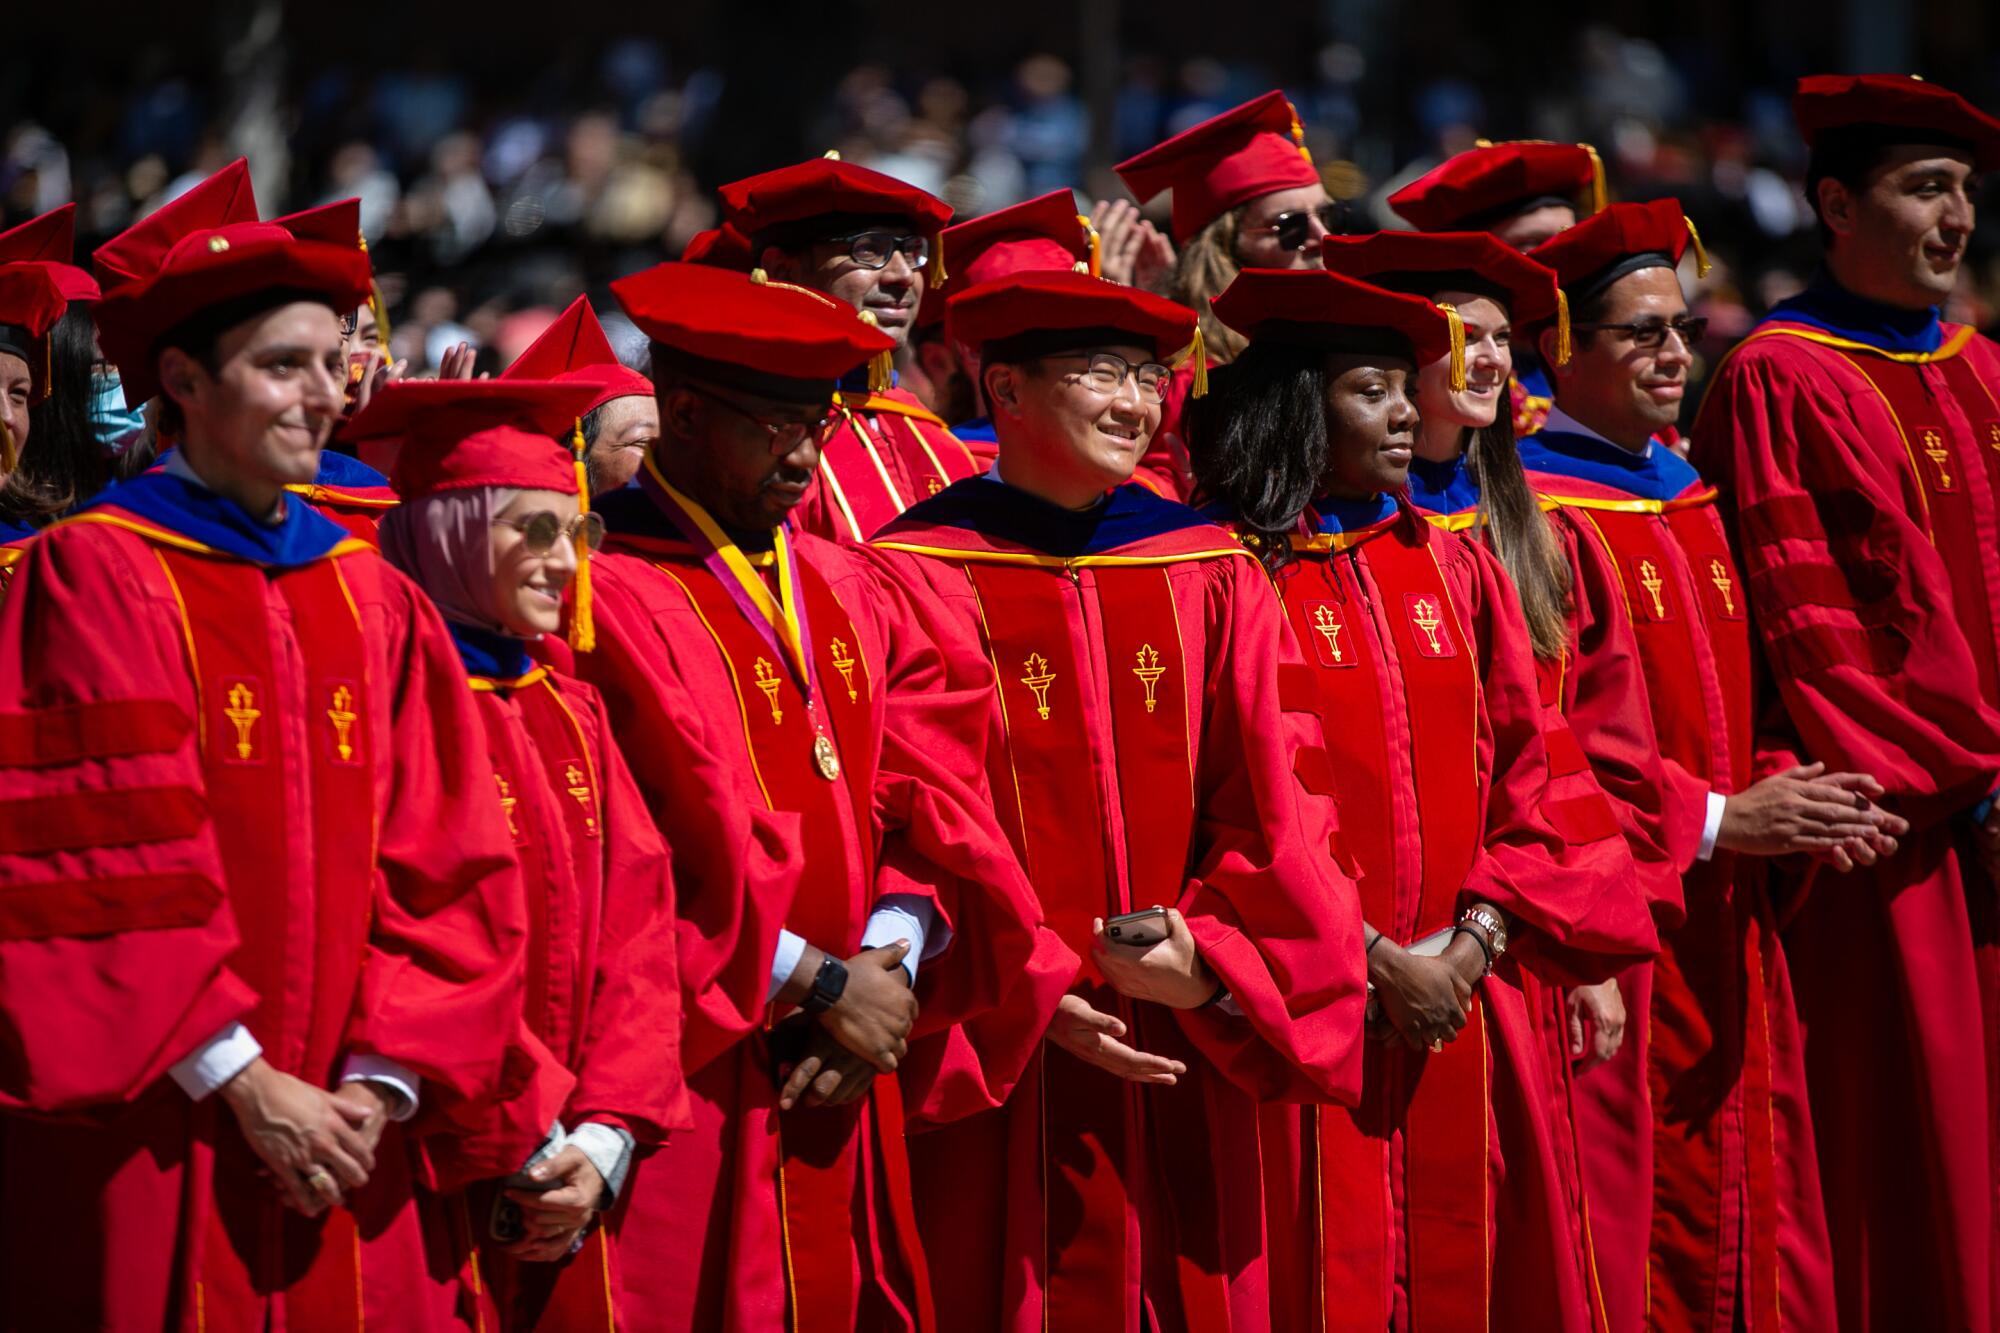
x: 1703, y: 1110
x: 803, y: 1221
x: 359, y: 509
x: 602, y: 996
x: 1450, y: 1195
x: 221, y: 787
x: 1146, y: 760
x: 1866, y: 493
x: 883, y: 453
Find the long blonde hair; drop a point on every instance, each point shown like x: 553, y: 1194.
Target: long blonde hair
x: 1205, y: 266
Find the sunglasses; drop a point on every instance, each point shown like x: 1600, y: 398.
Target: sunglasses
x: 1107, y: 373
x: 785, y: 435
x: 1294, y: 230
x: 541, y: 530
x: 1651, y: 334
x: 876, y: 247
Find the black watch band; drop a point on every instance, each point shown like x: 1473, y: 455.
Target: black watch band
x: 829, y: 983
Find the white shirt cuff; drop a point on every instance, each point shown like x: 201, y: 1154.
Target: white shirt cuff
x: 1711, y: 825
x: 609, y: 1149
x: 216, y: 1061
x: 906, y: 916
x: 784, y: 960
x: 378, y: 1069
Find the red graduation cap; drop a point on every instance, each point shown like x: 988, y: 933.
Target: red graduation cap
x: 1423, y: 263
x: 458, y: 434
x: 1044, y: 311
x: 768, y: 337
x: 1623, y: 239
x: 724, y: 247
x: 1044, y: 234
x: 1243, y: 154
x: 200, y: 251
x: 50, y: 242
x: 31, y: 302
x: 339, y: 223
x: 1493, y: 181
x: 1894, y: 102
x: 1318, y: 307
x: 574, y: 349
x: 792, y: 202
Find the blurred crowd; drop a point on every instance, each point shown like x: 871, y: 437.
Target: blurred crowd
x: 492, y: 199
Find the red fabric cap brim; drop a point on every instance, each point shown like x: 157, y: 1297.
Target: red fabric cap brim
x: 461, y: 433
x: 757, y: 204
x: 1045, y: 300
x: 1840, y: 101
x: 1596, y: 243
x: 771, y: 328
x: 1245, y: 153
x: 1287, y: 302
x: 1482, y: 182
x: 1531, y: 286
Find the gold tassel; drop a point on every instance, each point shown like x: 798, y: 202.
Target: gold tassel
x: 1299, y: 135
x: 1701, y: 264
x: 881, y: 366
x: 1457, y: 345
x: 1562, y: 327
x: 582, y: 629
x: 1599, y: 196
x: 937, y: 274
x: 48, y: 366
x: 1197, y: 354
x: 1096, y: 269
x: 9, y: 455
x: 375, y: 301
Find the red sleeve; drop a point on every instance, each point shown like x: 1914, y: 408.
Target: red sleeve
x: 630, y: 1070
x: 113, y: 945
x: 1578, y: 895
x: 987, y: 999
x: 735, y: 864
x: 441, y: 984
x: 1609, y: 712
x: 1274, y: 916
x: 1854, y: 607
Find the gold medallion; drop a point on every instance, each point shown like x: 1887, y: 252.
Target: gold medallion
x: 824, y: 758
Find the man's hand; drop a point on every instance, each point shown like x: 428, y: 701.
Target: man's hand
x: 1426, y: 1000
x: 827, y: 1075
x: 1807, y: 809
x: 1170, y: 972
x: 875, y: 1013
x: 1603, y: 1007
x: 366, y: 1106
x: 1092, y: 1037
x: 1130, y: 249
x: 556, y: 1218
x: 302, y: 1134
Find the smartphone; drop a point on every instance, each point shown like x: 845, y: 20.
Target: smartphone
x: 1432, y: 945
x: 505, y: 1221
x: 1138, y: 929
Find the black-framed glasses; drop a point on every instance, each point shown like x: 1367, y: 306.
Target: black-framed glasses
x: 875, y: 247
x: 1649, y: 335
x: 541, y: 530
x: 349, y: 322
x: 1293, y: 229
x: 1108, y: 371
x: 785, y: 435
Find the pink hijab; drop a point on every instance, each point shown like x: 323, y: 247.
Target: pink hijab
x: 442, y: 541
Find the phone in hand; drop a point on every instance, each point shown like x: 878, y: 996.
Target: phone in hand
x: 1140, y: 930
x: 505, y: 1221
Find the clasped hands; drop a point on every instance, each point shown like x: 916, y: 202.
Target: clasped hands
x: 1423, y: 1001
x: 865, y: 1033
x: 318, y: 1146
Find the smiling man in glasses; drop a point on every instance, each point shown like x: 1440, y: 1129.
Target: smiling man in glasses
x: 1704, y: 1112
x: 848, y: 894
x: 873, y: 242
x: 1127, y: 649
x: 1857, y: 432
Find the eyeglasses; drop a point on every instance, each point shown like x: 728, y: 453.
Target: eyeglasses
x: 541, y: 530
x: 1650, y: 335
x: 1294, y: 229
x: 785, y: 435
x: 1108, y: 371
x: 349, y: 322
x: 874, y: 248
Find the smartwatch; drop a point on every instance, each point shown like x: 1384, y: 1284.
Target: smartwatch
x: 829, y: 983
